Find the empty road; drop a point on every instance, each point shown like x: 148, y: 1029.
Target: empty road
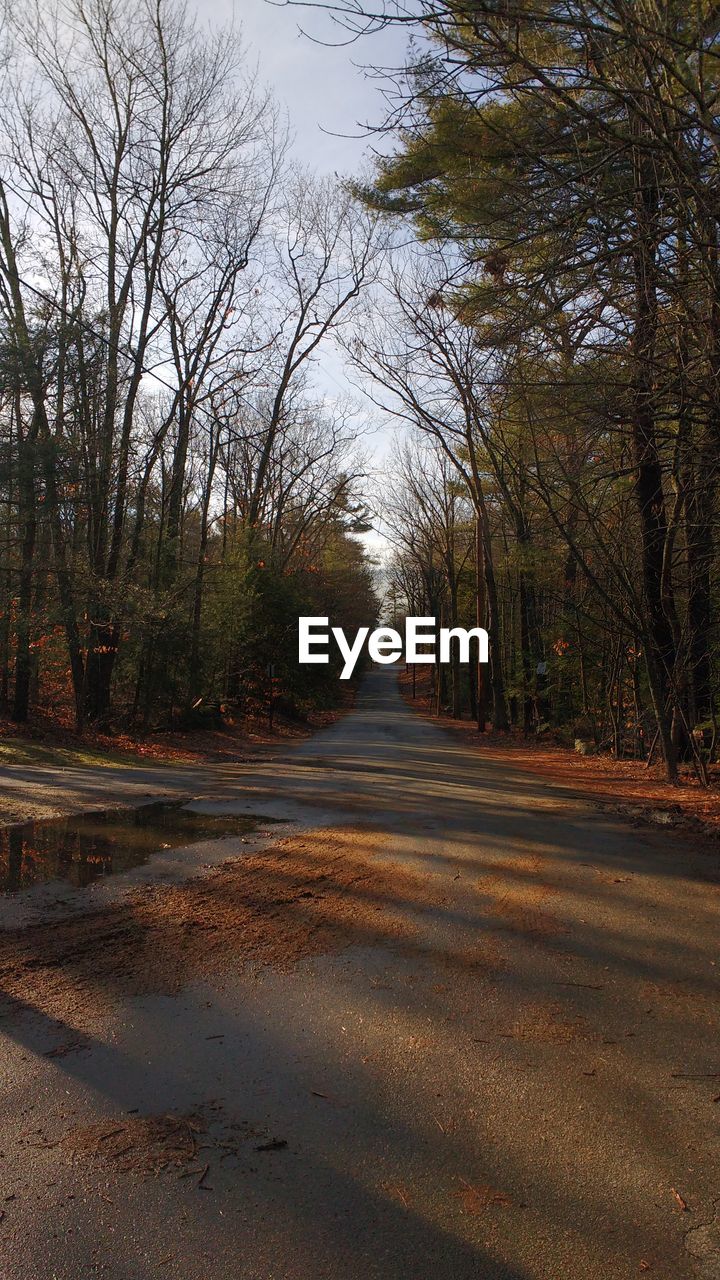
x: 490, y: 1053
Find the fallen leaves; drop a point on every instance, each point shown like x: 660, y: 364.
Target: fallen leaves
x: 307, y: 895
x: 607, y: 779
x: 680, y: 1200
x: 546, y: 1023
x: 142, y: 1144
x: 476, y: 1198
x: 399, y: 1192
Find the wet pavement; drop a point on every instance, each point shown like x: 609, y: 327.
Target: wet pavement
x: 80, y: 850
x: 522, y: 1088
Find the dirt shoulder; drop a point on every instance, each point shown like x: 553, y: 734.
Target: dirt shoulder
x: 627, y: 786
x: 49, y: 741
x: 47, y: 770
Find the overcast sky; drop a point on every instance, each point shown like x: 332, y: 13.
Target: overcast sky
x: 323, y: 88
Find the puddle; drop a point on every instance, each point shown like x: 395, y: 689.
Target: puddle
x: 85, y: 848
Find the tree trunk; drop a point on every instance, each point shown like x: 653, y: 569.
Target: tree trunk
x: 28, y: 526
x: 649, y: 492
x: 194, y: 665
x: 480, y: 694
x: 699, y: 542
x: 497, y: 682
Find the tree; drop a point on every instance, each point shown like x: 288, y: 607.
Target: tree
x: 569, y: 154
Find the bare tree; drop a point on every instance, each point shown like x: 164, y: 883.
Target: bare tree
x: 138, y: 142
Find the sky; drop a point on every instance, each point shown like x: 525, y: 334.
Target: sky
x: 330, y: 99
x: 324, y: 88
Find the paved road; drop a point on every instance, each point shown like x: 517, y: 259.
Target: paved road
x: 521, y: 1089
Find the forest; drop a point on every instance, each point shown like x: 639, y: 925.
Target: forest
x: 556, y: 351
x: 527, y: 283
x: 175, y: 490
x: 334, y: 333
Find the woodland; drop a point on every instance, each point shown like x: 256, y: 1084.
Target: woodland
x: 556, y: 350
x: 526, y: 282
x: 174, y: 490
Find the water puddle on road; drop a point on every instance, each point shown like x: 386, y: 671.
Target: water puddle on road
x: 80, y: 850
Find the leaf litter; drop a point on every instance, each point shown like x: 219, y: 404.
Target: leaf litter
x: 308, y: 895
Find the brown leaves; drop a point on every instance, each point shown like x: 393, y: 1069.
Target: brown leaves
x: 144, y: 1144
x: 302, y: 897
x: 472, y: 1198
x: 399, y: 1192
x: 476, y: 1198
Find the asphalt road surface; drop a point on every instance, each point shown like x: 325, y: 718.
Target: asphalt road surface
x: 520, y: 1084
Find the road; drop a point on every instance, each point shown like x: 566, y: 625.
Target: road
x: 512, y: 1075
